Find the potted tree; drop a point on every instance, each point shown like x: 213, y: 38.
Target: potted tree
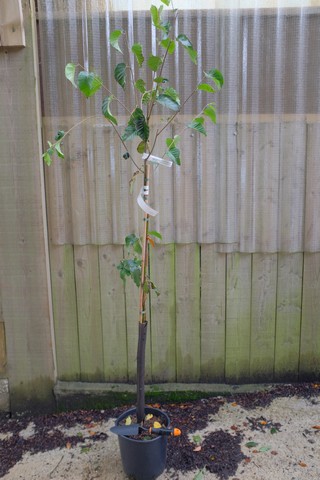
x: 149, y: 96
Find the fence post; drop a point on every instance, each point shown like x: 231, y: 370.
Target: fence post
x: 24, y: 273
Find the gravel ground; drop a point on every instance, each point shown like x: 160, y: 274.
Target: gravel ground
x: 274, y: 434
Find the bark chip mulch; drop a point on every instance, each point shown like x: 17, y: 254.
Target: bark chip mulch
x: 218, y: 452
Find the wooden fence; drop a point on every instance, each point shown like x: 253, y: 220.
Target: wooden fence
x: 220, y: 317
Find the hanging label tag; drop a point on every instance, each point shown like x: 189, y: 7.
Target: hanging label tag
x: 143, y: 205
x: 157, y: 160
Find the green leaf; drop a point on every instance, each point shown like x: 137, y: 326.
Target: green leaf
x: 199, y: 475
x: 58, y: 150
x: 120, y: 74
x: 137, y: 126
x: 156, y: 15
x: 59, y: 135
x: 197, y: 439
x: 172, y: 142
x: 154, y: 62
x: 156, y: 234
x: 251, y: 444
x: 70, y: 71
x: 274, y: 430
x: 206, y: 87
x: 173, y: 152
x: 216, y: 76
x: 141, y: 148
x: 129, y: 133
x: 264, y: 449
x: 160, y: 80
x: 47, y: 158
x: 166, y: 2
x: 171, y: 92
x: 114, y: 39
x: 89, y: 83
x: 210, y: 111
x: 140, y: 85
x: 141, y: 125
x: 185, y: 42
x: 197, y: 124
x: 169, y: 102
x: 146, y: 97
x: 169, y: 45
x: 137, y: 50
x: 106, y: 110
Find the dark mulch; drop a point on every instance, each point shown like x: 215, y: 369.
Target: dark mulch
x: 220, y: 451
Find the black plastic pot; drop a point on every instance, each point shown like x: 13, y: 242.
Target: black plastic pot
x: 144, y: 459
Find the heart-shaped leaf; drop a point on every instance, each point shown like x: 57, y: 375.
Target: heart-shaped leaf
x: 154, y: 62
x: 169, y: 102
x: 89, y: 83
x: 216, y: 76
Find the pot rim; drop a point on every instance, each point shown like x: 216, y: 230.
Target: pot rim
x: 148, y: 410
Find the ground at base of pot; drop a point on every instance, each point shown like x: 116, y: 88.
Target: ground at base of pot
x: 268, y: 435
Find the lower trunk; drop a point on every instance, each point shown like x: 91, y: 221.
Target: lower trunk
x: 141, y: 370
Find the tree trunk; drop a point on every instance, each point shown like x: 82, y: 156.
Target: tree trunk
x: 143, y: 324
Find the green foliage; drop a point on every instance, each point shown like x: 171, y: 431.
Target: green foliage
x: 106, y: 110
x: 114, y: 39
x: 185, y: 42
x: 169, y: 102
x: 120, y: 74
x: 137, y: 126
x: 137, y: 50
x: 140, y: 85
x: 89, y: 83
x: 197, y: 124
x: 154, y: 62
x: 70, y: 72
x: 210, y: 111
x: 173, y: 152
x: 168, y: 45
x: 216, y: 76
x: 206, y: 87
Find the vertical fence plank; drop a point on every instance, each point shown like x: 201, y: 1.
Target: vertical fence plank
x: 238, y: 314
x: 310, y: 324
x: 65, y: 312
x: 263, y: 310
x: 113, y: 312
x: 188, y: 312
x: 213, y: 291
x: 3, y: 354
x: 163, y: 314
x: 288, y: 317
x: 89, y: 312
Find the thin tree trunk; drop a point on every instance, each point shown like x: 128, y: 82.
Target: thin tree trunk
x: 143, y: 324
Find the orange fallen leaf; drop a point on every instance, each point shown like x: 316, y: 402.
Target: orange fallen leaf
x: 197, y: 449
x: 302, y: 464
x: 273, y: 452
x: 316, y: 427
x: 255, y: 451
x: 263, y: 422
x: 234, y: 427
x: 92, y: 432
x: 247, y: 460
x: 234, y: 404
x: 68, y: 445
